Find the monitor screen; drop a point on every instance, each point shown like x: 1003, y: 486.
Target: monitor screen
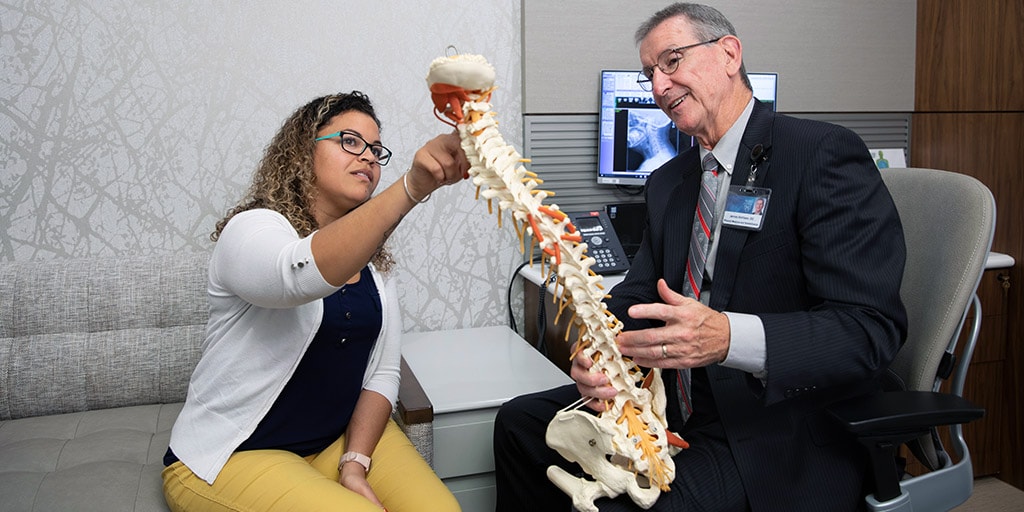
x: 766, y: 86
x: 635, y: 137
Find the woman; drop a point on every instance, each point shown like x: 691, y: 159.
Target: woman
x: 300, y: 366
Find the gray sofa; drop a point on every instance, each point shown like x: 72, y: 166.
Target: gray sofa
x: 95, y: 357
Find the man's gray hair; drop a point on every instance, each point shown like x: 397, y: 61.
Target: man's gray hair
x: 708, y: 23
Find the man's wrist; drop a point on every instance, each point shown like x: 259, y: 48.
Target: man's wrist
x: 747, y: 347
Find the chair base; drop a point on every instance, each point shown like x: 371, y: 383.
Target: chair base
x: 938, y: 490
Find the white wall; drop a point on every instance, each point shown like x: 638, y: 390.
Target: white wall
x: 831, y: 55
x: 131, y: 126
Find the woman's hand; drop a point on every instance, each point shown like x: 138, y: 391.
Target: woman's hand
x: 439, y: 162
x: 353, y: 477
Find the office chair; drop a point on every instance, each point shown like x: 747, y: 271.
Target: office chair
x: 948, y: 221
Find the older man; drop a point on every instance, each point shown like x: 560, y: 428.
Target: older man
x: 759, y: 327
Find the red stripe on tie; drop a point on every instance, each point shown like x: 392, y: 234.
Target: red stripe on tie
x: 704, y: 225
x: 693, y: 283
x: 684, y: 395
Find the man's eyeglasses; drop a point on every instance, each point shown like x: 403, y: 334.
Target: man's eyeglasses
x: 356, y: 145
x: 668, y: 62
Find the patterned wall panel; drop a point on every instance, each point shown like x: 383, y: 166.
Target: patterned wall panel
x: 132, y: 126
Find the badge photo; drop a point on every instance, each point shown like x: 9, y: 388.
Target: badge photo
x: 745, y: 207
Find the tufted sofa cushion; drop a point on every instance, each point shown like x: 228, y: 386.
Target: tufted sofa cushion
x: 104, y: 460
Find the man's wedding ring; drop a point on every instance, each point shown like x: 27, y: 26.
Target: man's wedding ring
x: 664, y: 351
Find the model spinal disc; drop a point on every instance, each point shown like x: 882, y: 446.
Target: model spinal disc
x: 627, y: 448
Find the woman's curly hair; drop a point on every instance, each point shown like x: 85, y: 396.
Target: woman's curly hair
x: 284, y: 180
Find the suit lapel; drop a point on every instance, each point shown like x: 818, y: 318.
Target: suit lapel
x: 731, y: 240
x: 681, y: 218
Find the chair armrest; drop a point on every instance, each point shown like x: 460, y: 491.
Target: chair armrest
x: 898, y: 413
x: 881, y: 423
x: 413, y: 404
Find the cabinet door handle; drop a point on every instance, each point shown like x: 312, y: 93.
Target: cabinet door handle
x: 1004, y: 280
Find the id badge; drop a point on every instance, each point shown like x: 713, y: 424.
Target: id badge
x: 745, y: 208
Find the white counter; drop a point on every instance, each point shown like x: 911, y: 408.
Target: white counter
x: 479, y: 368
x: 998, y: 260
x: 532, y: 274
x: 467, y: 374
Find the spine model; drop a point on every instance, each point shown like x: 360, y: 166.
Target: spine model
x: 627, y: 448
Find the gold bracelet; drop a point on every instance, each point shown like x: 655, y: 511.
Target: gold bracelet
x: 405, y: 185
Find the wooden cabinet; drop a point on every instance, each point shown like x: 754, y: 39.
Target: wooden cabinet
x: 988, y: 381
x: 969, y: 118
x: 988, y: 437
x: 969, y: 55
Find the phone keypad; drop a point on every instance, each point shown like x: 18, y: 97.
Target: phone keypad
x: 605, y: 257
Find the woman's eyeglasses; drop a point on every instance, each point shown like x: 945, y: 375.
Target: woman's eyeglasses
x: 356, y: 145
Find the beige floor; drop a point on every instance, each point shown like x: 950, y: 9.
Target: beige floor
x: 993, y: 495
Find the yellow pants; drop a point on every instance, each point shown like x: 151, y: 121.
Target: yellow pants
x: 282, y: 481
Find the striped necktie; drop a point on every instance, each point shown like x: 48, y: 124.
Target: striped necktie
x: 703, y: 227
x: 700, y: 242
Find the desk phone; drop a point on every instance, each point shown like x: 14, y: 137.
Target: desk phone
x: 602, y: 244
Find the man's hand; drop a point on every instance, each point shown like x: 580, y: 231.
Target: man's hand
x: 591, y: 384
x: 693, y: 335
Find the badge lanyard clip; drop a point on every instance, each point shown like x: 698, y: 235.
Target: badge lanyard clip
x: 757, y: 155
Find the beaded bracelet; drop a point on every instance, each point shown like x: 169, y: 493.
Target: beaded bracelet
x: 405, y: 184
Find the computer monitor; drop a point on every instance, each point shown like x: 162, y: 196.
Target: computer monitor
x: 766, y: 87
x: 635, y: 137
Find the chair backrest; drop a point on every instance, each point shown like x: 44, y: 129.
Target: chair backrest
x: 948, y: 221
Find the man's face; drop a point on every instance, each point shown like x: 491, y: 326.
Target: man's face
x: 691, y: 95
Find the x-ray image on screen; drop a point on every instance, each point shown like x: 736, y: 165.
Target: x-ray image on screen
x: 651, y: 140
x: 635, y: 137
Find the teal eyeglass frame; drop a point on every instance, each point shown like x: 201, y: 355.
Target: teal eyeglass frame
x: 382, y: 156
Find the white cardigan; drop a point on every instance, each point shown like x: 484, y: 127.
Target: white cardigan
x: 265, y: 294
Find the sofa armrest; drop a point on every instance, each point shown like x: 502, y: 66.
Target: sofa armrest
x: 415, y: 414
x: 413, y: 404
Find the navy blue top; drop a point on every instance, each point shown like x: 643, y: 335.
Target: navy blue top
x: 315, y: 406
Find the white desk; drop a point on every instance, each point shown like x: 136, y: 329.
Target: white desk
x: 532, y: 274
x: 998, y: 260
x: 467, y: 374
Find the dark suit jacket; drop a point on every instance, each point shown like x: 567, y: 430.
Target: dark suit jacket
x: 823, y: 274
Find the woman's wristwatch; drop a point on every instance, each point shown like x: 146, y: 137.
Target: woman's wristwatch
x: 363, y: 460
